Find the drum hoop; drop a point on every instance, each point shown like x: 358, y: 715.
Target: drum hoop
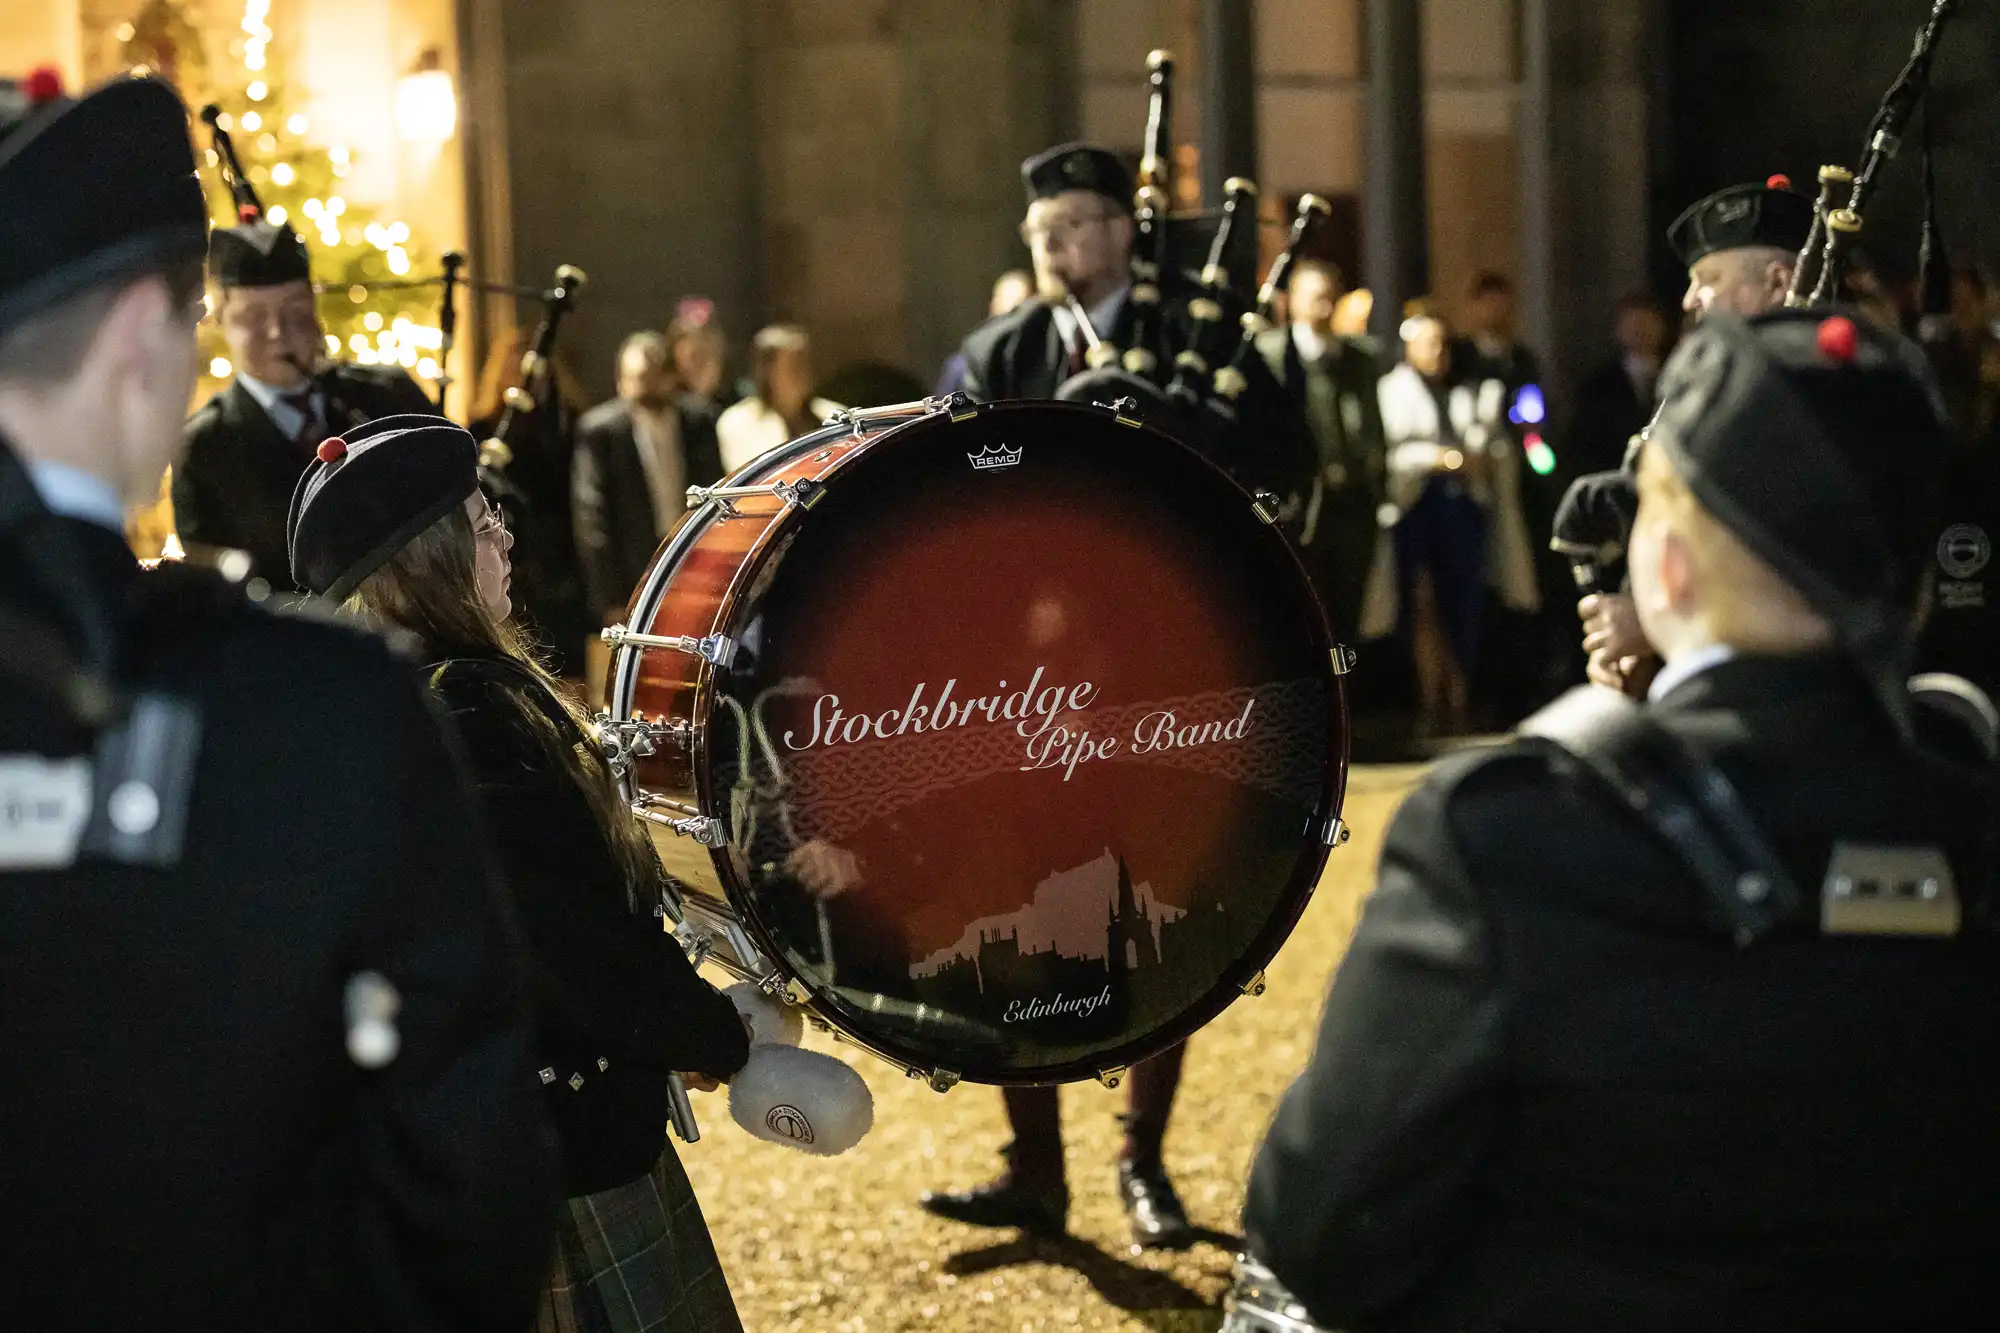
x: 840, y: 1014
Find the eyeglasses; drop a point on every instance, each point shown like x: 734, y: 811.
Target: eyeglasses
x: 493, y: 525
x: 1059, y: 231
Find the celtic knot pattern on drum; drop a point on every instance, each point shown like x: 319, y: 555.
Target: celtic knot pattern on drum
x: 833, y: 792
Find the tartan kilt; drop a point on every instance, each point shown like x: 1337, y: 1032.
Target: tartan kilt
x: 637, y: 1259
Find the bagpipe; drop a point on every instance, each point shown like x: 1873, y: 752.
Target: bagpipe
x: 1594, y: 522
x: 1192, y: 363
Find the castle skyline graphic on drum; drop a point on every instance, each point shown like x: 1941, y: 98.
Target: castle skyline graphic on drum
x: 1092, y: 913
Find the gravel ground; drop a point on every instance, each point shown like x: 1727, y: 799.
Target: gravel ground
x: 838, y: 1245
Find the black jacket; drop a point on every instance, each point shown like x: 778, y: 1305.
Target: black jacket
x: 1021, y: 354
x: 1548, y: 1094
x: 185, y: 1142
x: 620, y: 1005
x: 1608, y: 414
x: 234, y: 485
x: 616, y: 529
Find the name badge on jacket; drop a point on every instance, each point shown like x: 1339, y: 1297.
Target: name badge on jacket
x: 1888, y: 891
x: 128, y: 804
x: 44, y: 804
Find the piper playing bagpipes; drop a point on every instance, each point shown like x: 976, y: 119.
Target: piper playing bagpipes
x: 248, y: 444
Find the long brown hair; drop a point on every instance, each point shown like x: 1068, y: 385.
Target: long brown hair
x: 431, y: 589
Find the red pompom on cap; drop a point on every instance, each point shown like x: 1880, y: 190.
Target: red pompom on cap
x: 1779, y: 182
x: 332, y: 450
x: 248, y: 213
x: 44, y: 84
x: 1839, y: 340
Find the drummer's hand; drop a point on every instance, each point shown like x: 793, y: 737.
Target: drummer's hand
x: 694, y: 1082
x: 826, y: 871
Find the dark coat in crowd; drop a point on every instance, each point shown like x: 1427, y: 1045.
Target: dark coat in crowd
x: 1515, y: 366
x: 534, y: 494
x: 1338, y: 399
x: 1550, y: 1093
x: 234, y: 486
x: 185, y: 1141
x: 621, y: 1007
x: 616, y: 528
x: 1609, y: 412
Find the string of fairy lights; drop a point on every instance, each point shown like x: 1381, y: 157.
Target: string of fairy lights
x: 381, y: 340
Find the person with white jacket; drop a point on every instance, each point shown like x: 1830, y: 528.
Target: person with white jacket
x: 1453, y: 522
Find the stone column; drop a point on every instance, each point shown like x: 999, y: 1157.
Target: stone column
x: 1590, y: 87
x: 1228, y: 95
x: 1396, y: 262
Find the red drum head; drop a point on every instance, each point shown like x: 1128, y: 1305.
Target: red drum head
x: 1031, y: 749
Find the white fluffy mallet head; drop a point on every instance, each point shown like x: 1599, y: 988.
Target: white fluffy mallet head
x: 772, y: 1021
x: 801, y: 1099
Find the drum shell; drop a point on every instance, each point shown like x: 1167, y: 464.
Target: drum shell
x: 694, y: 578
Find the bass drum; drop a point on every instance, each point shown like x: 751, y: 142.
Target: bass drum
x: 1010, y: 740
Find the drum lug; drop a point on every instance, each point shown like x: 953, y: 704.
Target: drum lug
x: 1121, y: 409
x: 782, y: 989
x: 1344, y: 659
x: 1112, y: 1077
x: 716, y: 648
x: 805, y: 492
x: 703, y: 829
x: 1337, y: 832
x: 696, y: 944
x: 1254, y: 987
x: 942, y: 1080
x: 626, y: 741
x: 1266, y: 505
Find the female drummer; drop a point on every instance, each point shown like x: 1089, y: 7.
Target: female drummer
x: 391, y: 522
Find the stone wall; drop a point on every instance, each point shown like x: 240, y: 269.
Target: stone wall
x: 890, y: 136
x: 849, y: 164
x: 628, y: 149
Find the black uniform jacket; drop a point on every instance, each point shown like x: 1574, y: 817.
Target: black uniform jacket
x: 1608, y: 414
x: 616, y: 529
x: 1547, y: 1096
x: 185, y: 1142
x: 621, y: 1007
x: 1021, y: 354
x: 235, y: 484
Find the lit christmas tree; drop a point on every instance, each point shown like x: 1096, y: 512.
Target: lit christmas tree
x: 299, y: 181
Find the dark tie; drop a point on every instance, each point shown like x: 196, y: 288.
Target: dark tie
x: 310, y: 432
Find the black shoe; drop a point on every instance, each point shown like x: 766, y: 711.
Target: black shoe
x: 1004, y: 1203
x: 1158, y: 1220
